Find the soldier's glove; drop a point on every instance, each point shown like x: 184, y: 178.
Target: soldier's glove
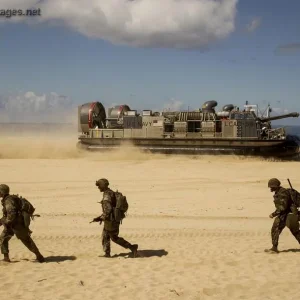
x: 271, y: 216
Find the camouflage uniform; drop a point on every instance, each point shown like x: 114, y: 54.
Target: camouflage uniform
x: 13, y: 224
x: 286, y: 214
x: 111, y: 227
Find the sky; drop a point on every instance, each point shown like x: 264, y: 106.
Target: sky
x: 149, y: 54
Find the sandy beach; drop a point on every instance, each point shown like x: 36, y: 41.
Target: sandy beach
x: 201, y: 224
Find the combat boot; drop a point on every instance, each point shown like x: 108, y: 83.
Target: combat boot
x: 134, y: 249
x: 6, y: 257
x: 40, y: 258
x: 272, y: 250
x: 107, y: 254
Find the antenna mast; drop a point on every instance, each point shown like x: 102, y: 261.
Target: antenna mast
x: 269, y: 109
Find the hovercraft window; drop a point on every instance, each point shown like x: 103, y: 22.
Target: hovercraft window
x: 194, y: 126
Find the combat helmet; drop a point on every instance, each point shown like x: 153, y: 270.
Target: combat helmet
x: 274, y: 183
x: 102, y: 181
x: 4, y: 189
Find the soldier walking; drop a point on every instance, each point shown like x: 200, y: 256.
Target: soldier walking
x: 111, y: 226
x: 286, y: 214
x: 13, y: 223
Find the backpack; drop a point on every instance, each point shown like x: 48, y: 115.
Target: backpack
x: 25, y: 208
x: 295, y: 195
x: 121, y: 207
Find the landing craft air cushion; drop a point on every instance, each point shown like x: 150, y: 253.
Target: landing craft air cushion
x: 202, y: 131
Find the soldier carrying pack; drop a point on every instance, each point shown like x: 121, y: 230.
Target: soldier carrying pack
x: 114, y: 209
x: 286, y: 213
x: 25, y: 208
x: 17, y: 214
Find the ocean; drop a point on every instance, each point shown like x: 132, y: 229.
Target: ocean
x: 293, y: 130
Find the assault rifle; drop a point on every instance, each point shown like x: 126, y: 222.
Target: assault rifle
x: 97, y: 220
x: 290, y: 184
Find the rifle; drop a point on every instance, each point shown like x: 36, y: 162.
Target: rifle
x: 290, y: 184
x: 96, y: 220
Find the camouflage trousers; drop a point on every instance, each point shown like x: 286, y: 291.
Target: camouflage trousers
x: 22, y: 233
x: 290, y: 221
x: 114, y: 236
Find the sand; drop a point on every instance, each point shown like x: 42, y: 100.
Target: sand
x: 201, y: 224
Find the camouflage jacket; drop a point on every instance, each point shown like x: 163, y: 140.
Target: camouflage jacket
x: 283, y: 203
x: 10, y: 210
x: 108, y: 203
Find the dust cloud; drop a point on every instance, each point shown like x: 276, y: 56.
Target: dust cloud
x: 59, y: 141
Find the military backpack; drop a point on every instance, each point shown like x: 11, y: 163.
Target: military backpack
x: 121, y: 207
x: 295, y: 195
x: 25, y: 208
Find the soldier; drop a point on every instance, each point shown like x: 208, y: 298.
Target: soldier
x: 111, y: 227
x: 13, y: 223
x: 286, y: 214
